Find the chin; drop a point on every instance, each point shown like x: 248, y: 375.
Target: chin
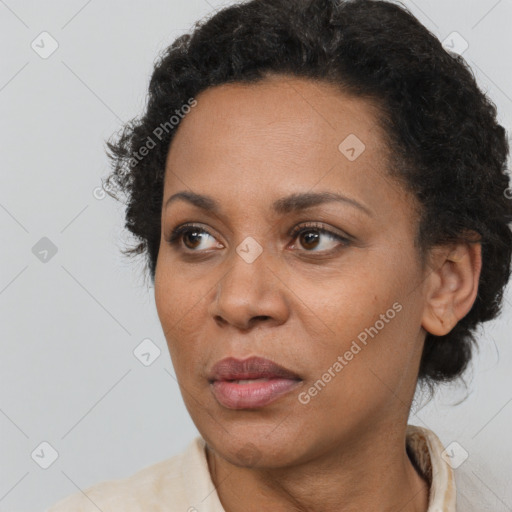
x: 255, y: 447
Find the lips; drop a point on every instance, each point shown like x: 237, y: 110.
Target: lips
x: 250, y: 383
x: 252, y: 368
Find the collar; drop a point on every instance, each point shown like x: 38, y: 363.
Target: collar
x: 426, y: 450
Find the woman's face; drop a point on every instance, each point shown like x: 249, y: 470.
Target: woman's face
x: 339, y: 304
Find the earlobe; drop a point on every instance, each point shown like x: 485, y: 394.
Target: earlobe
x: 452, y: 287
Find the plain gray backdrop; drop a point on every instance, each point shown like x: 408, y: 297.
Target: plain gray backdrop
x: 74, y: 398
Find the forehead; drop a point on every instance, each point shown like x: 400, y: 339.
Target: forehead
x: 278, y: 136
x: 297, y: 115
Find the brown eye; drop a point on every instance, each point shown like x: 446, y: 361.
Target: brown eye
x: 193, y: 237
x: 309, y: 239
x: 312, y: 236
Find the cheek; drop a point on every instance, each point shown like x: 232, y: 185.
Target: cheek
x: 181, y: 310
x: 369, y: 320
x: 172, y: 307
x: 176, y: 296
x: 356, y: 380
x: 340, y: 308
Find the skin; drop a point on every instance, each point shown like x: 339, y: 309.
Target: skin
x: 302, y: 301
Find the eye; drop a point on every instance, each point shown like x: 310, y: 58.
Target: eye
x: 192, y: 236
x: 310, y: 237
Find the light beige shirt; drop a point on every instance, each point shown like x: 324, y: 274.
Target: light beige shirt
x: 183, y: 484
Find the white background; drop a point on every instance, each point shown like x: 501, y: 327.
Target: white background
x: 68, y: 327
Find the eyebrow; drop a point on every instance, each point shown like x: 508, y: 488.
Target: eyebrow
x: 292, y: 203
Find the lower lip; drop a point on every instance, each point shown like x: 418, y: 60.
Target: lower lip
x: 251, y: 395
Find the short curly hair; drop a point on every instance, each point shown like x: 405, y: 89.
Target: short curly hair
x: 441, y: 129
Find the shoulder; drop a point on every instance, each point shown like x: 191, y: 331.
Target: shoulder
x: 153, y: 488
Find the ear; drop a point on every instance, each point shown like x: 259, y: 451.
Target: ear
x: 452, y: 286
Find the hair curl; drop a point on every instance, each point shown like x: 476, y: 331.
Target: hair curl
x: 446, y: 144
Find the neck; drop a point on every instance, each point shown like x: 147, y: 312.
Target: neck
x: 371, y: 474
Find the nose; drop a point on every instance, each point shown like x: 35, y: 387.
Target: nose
x: 249, y: 293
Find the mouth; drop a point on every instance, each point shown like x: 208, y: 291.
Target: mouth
x: 251, y: 383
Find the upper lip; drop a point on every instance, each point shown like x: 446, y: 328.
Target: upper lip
x: 231, y: 368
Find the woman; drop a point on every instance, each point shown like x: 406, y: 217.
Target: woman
x: 321, y: 193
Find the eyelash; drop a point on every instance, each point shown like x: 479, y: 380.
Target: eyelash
x: 177, y: 234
